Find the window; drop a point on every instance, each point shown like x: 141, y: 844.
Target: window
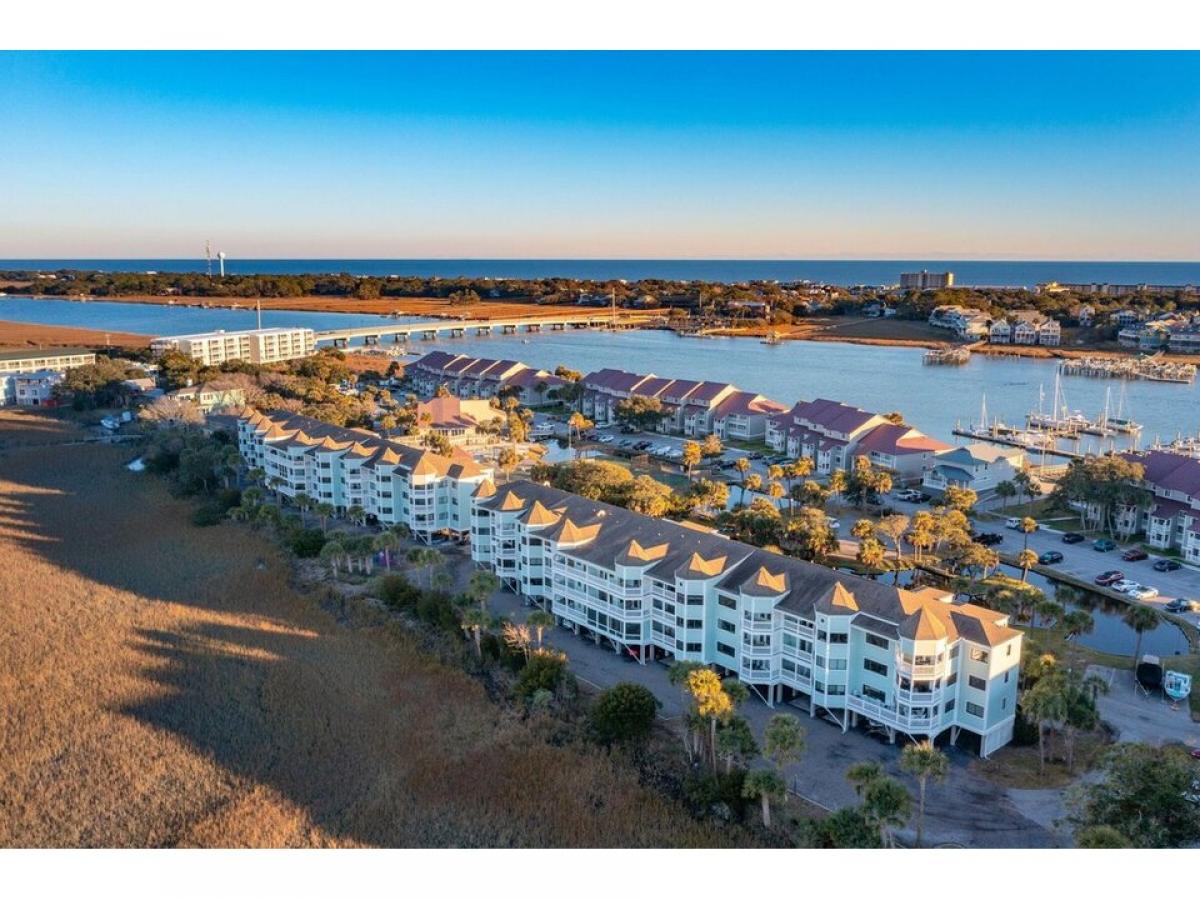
x: 876, y: 641
x: 727, y: 602
x: 695, y: 623
x: 693, y: 648
x: 1010, y: 646
x: 724, y: 648
x: 974, y: 709
x: 976, y: 682
x: 1006, y: 674
x: 979, y: 655
x: 949, y: 705
x: 835, y: 638
x: 877, y: 667
x: 873, y: 693
x: 726, y: 626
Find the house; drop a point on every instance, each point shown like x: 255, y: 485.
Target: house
x: 459, y: 420
x: 1170, y: 517
x: 468, y: 376
x: 902, y: 450
x: 1185, y: 340
x: 688, y: 406
x: 36, y: 388
x: 856, y: 651
x: 825, y: 431
x: 1049, y: 333
x: 1085, y: 315
x: 392, y: 483
x: 743, y: 415
x: 1000, y: 332
x: 212, y: 397
x: 979, y: 467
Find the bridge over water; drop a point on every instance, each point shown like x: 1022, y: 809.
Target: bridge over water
x: 374, y: 334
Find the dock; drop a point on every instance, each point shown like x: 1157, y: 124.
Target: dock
x: 996, y: 437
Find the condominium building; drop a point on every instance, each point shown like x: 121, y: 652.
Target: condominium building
x: 258, y: 345
x: 31, y: 388
x: 59, y: 359
x: 1171, y: 517
x: 394, y: 484
x: 926, y: 281
x: 469, y: 377
x: 909, y: 662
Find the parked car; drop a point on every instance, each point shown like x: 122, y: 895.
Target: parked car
x: 1015, y: 523
x: 1073, y: 537
x: 1050, y: 557
x: 1135, y: 555
x: 908, y: 495
x: 1143, y: 593
x: 1166, y: 565
x: 1109, y: 578
x: 987, y: 538
x: 1180, y: 605
x: 1103, y: 545
x: 1124, y: 586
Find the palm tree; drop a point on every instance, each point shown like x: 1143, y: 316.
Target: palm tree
x: 924, y: 762
x: 894, y: 527
x: 1046, y: 704
x: 1077, y: 622
x: 872, y: 554
x: 1141, y: 619
x: 356, y: 514
x: 324, y: 511
x: 1026, y: 560
x: 276, y: 483
x: 742, y: 465
x: 481, y: 586
x: 387, y: 542
x: 1028, y: 525
x: 766, y: 786
x: 837, y: 483
x: 331, y: 553
x: 1006, y: 490
x: 475, y: 621
x: 784, y: 739
x: 425, y: 558
x: 678, y: 675
x: 886, y: 805
x: 539, y: 621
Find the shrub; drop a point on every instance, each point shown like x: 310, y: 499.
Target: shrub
x: 435, y: 608
x: 543, y: 672
x: 398, y: 592
x: 307, y: 542
x: 1025, y: 733
x: 208, y: 515
x: 228, y: 498
x: 623, y: 714
x: 710, y: 792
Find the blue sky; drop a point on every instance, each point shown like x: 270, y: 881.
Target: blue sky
x: 739, y: 155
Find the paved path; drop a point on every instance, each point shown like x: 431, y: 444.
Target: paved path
x: 966, y: 810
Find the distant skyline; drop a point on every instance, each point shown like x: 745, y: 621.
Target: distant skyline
x: 991, y: 156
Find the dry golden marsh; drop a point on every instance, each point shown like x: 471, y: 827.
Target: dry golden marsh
x: 167, y: 685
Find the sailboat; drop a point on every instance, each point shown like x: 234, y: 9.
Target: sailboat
x: 1119, y: 422
x: 1058, y: 419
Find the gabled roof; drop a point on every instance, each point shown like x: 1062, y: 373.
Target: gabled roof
x: 899, y: 440
x: 539, y: 516
x: 922, y: 625
x: 837, y: 601
x: 708, y: 568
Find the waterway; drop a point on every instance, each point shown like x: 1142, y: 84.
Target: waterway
x: 883, y: 379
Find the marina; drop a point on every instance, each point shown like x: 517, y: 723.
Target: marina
x: 1148, y: 368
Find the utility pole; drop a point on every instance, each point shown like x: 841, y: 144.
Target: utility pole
x: 208, y: 257
x: 260, y: 313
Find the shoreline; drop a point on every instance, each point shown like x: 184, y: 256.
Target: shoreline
x: 31, y: 335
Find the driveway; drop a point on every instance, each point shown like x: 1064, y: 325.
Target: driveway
x: 964, y: 811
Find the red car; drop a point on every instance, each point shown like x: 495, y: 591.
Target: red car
x: 1135, y: 555
x: 1112, y: 576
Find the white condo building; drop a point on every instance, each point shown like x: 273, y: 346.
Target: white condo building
x: 393, y: 483
x: 856, y: 650
x: 259, y: 345
x: 59, y: 359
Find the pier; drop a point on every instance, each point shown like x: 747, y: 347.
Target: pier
x: 457, y: 328
x: 1150, y: 368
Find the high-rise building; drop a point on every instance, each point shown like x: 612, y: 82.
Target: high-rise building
x: 258, y: 345
x: 926, y: 281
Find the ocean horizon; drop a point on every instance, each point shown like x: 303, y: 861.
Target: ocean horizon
x: 979, y: 273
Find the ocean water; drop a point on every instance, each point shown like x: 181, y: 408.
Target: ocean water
x: 1011, y: 273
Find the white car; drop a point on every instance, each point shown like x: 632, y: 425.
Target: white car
x: 1143, y: 593
x: 605, y: 439
x: 1124, y: 586
x: 1014, y: 523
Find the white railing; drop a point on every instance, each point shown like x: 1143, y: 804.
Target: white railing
x: 889, y: 715
x: 920, y: 670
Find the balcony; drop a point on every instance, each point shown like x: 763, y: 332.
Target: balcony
x: 920, y: 670
x: 889, y: 715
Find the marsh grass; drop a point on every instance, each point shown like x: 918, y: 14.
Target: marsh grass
x: 167, y: 685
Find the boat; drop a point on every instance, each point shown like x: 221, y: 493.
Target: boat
x: 772, y: 339
x: 1177, y: 685
x: 1149, y: 672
